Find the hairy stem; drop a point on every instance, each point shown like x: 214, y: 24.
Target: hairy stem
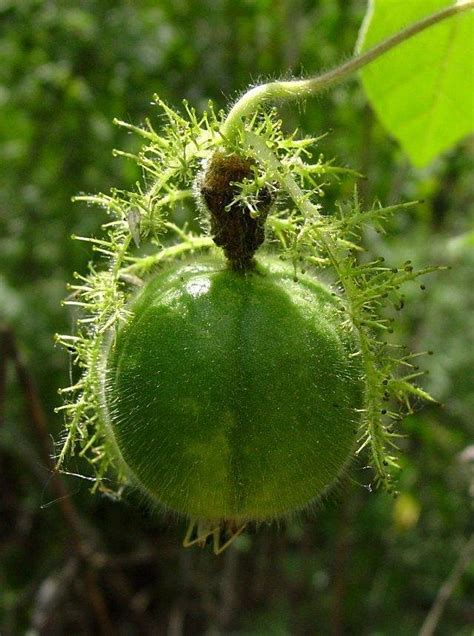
x: 376, y: 434
x: 288, y: 90
x: 188, y: 243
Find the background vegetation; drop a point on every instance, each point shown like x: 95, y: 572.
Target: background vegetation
x: 72, y: 563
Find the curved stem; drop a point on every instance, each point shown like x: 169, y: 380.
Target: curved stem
x: 288, y: 90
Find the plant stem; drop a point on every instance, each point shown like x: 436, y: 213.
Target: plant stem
x: 68, y: 510
x: 372, y: 417
x: 188, y: 243
x: 288, y: 90
x: 465, y: 559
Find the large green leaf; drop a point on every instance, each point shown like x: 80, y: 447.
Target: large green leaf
x: 423, y: 90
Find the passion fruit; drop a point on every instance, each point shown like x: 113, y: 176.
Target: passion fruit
x: 233, y: 395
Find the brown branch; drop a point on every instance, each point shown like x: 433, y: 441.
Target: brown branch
x: 465, y: 558
x: 341, y: 566
x: 50, y: 595
x: 228, y: 590
x: 69, y: 513
x: 3, y: 372
x: 38, y: 420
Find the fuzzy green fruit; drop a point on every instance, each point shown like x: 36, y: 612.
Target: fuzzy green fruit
x: 233, y: 395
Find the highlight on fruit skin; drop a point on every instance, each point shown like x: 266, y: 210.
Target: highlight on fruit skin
x: 233, y: 396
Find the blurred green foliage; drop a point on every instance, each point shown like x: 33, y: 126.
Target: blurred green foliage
x: 363, y: 564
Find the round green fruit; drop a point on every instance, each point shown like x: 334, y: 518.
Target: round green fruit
x: 233, y: 395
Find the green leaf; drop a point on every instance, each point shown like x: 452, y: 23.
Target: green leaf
x: 423, y: 90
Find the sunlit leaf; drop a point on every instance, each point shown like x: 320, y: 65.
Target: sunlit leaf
x: 423, y: 90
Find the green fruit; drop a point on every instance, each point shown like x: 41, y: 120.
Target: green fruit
x: 233, y: 395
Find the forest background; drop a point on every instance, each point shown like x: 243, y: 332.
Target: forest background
x: 365, y: 563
